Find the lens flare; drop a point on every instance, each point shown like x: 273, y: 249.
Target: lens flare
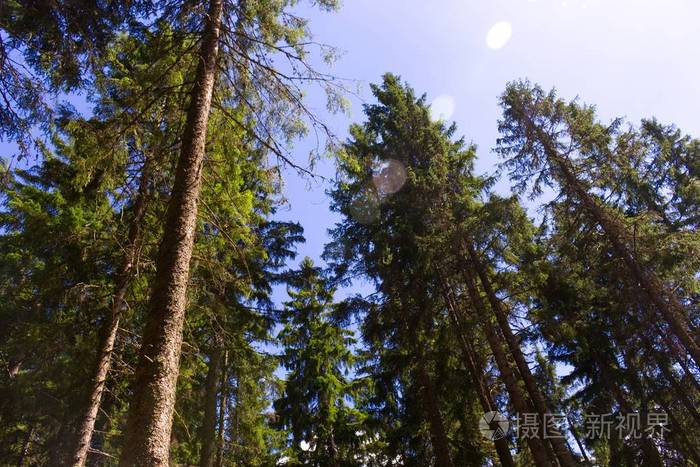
x: 442, y: 108
x: 499, y: 35
x: 365, y: 207
x: 389, y: 176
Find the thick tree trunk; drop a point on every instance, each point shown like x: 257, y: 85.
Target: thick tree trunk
x: 561, y: 449
x: 517, y: 398
x: 80, y: 442
x: 149, y: 425
x: 438, y: 437
x: 475, y: 367
x: 208, y: 432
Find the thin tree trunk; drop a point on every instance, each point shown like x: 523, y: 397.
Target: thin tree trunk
x: 677, y: 432
x: 80, y: 443
x: 664, y: 301
x: 557, y: 439
x: 681, y: 392
x: 208, y: 432
x: 147, y: 441
x: 438, y: 437
x: 577, y: 438
x: 517, y: 398
x: 222, y: 411
x: 25, y: 446
x: 476, y: 371
x: 649, y: 451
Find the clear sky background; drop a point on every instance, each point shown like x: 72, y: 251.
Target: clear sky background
x: 631, y: 58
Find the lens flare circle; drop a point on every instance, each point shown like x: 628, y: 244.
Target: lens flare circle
x: 389, y: 176
x: 442, y: 108
x: 499, y: 35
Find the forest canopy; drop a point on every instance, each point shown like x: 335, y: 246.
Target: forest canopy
x: 144, y: 251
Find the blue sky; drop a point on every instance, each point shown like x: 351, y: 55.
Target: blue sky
x: 632, y: 58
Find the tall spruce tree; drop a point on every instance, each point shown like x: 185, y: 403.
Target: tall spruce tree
x: 324, y: 429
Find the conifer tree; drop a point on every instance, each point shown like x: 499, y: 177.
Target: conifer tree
x: 324, y: 429
x: 550, y: 141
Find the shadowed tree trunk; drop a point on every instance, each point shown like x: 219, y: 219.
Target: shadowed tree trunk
x: 223, y: 400
x: 517, y: 398
x: 678, y: 434
x: 436, y: 425
x: 25, y: 446
x: 431, y: 405
x: 561, y: 449
x: 649, y: 450
x: 80, y: 443
x: 208, y: 432
x: 476, y: 371
x: 147, y: 441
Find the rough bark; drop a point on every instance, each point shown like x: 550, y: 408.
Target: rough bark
x: 208, y: 431
x: 517, y: 398
x: 557, y: 440
x: 147, y: 441
x: 80, y: 442
x: 436, y: 426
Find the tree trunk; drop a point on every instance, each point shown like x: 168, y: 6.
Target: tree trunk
x: 561, y: 449
x: 664, y: 301
x: 577, y: 438
x: 81, y: 438
x: 223, y: 400
x: 208, y: 432
x: 25, y: 446
x: 665, y: 366
x: 150, y: 415
x: 476, y: 371
x: 517, y: 398
x: 438, y: 438
x: 679, y: 435
x: 649, y: 450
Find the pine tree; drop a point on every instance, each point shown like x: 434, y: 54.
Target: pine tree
x: 324, y: 428
x: 553, y: 142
